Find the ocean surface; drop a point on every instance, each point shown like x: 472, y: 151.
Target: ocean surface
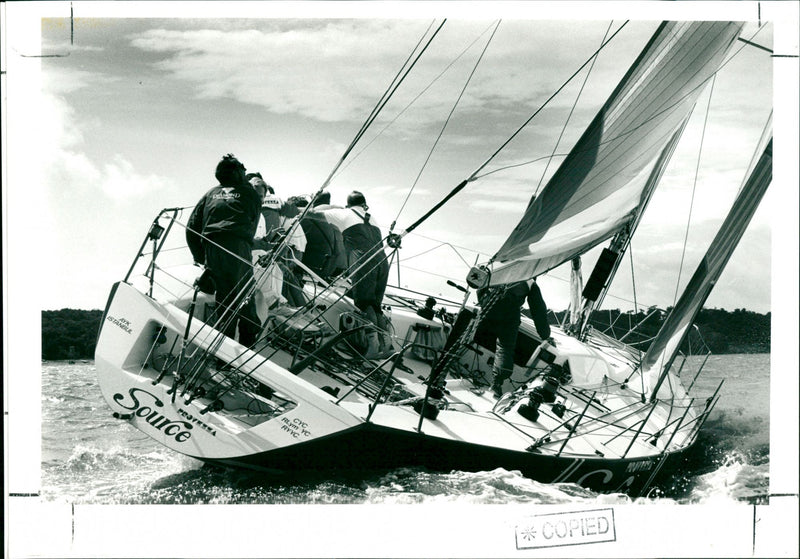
x: 90, y: 457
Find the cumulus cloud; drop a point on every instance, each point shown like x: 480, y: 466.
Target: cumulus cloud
x: 58, y: 81
x: 349, y: 59
x: 251, y: 65
x: 68, y: 167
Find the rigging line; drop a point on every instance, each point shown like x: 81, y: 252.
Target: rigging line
x: 472, y: 177
x: 218, y: 340
x: 424, y: 252
x: 405, y: 70
x: 633, y: 279
x: 752, y: 44
x: 694, y: 189
x: 394, y: 83
x: 240, y: 289
x: 756, y: 156
x: 446, y: 122
x: 440, y: 245
x: 493, y: 171
x: 429, y: 272
x: 635, y: 305
x: 414, y: 100
x: 391, y: 90
x: 524, y: 124
x: 275, y: 350
x: 569, y: 116
x: 454, y: 246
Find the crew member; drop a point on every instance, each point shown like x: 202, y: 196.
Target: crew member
x: 502, y: 320
x: 363, y: 243
x: 220, y: 234
x: 325, y: 251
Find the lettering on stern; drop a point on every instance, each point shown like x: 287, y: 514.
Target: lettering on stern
x: 147, y: 410
x: 121, y: 322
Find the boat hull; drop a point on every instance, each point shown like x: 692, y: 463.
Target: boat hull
x: 314, y: 430
x: 371, y: 446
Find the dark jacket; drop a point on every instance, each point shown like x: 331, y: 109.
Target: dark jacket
x: 324, y: 252
x: 363, y: 238
x: 224, y: 211
x: 506, y: 310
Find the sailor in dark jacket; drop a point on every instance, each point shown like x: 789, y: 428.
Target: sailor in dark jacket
x: 324, y: 244
x: 220, y: 235
x: 367, y: 261
x: 501, y: 319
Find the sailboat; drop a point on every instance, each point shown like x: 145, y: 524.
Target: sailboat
x: 581, y: 406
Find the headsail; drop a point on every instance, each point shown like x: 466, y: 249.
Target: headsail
x: 662, y: 351
x: 606, y: 180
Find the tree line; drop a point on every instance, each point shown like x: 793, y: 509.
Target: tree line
x: 72, y: 333
x: 718, y: 330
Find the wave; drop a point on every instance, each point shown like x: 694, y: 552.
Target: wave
x: 736, y: 480
x: 499, y: 486
x: 729, y: 461
x: 211, y: 485
x: 124, y: 476
x: 89, y: 458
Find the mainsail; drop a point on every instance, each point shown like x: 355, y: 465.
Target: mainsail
x: 662, y: 351
x: 604, y: 183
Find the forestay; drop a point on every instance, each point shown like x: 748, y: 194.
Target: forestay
x: 604, y: 183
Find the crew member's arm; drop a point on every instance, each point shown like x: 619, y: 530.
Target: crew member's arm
x: 194, y: 228
x: 538, y: 311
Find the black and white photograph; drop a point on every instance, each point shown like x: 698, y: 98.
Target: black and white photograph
x: 400, y: 279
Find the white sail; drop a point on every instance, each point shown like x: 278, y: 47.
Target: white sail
x: 662, y: 351
x: 606, y: 180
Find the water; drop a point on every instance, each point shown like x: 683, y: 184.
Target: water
x: 90, y: 457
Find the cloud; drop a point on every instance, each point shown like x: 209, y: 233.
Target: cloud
x: 121, y: 181
x: 331, y: 72
x: 251, y: 65
x: 59, y: 81
x: 82, y: 202
x: 68, y: 167
x: 349, y: 61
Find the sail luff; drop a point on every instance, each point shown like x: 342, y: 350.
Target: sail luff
x: 600, y: 186
x: 659, y: 357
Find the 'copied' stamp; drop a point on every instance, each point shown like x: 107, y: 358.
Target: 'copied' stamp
x: 567, y: 528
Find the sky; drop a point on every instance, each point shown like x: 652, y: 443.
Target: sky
x: 130, y: 108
